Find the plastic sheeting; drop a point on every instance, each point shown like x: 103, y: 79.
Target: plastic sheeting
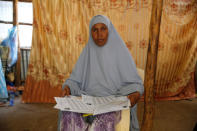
x: 3, y: 89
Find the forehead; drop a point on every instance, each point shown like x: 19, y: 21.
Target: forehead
x: 99, y: 25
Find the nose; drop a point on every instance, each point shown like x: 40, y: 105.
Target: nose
x: 99, y: 34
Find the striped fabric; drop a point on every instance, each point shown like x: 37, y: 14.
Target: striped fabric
x: 4, y: 52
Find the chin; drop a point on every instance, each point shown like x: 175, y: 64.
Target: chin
x: 100, y: 44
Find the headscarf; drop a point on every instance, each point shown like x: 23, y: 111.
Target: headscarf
x: 106, y: 70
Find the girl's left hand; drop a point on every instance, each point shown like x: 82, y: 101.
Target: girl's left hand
x: 134, y: 98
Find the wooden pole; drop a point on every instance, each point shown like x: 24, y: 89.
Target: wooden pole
x: 150, y: 71
x: 18, y: 63
x: 20, y: 23
x: 15, y: 12
x: 19, y: 0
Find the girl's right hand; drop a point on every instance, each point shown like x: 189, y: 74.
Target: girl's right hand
x: 66, y: 91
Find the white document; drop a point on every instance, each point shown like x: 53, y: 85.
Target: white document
x: 102, y: 100
x: 72, y: 104
x: 113, y: 106
x: 93, y: 105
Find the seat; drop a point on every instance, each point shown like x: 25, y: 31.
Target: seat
x: 124, y: 123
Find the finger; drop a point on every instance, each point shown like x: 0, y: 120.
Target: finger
x: 67, y: 91
x: 64, y: 93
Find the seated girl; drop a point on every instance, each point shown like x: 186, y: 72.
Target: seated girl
x: 105, y: 67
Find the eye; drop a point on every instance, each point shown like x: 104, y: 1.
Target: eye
x: 104, y: 28
x: 94, y: 29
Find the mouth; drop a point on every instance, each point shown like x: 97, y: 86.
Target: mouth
x: 100, y: 40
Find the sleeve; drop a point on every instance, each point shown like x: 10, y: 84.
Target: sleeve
x: 131, y: 88
x: 74, y: 87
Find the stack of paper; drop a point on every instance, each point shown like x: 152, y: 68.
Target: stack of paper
x: 93, y: 105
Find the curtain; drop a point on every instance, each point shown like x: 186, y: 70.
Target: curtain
x: 61, y: 30
x: 177, y: 51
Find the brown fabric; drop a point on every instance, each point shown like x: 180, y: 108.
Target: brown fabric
x: 61, y: 31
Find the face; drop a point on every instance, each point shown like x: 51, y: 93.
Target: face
x: 99, y: 34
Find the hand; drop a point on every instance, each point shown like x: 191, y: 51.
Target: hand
x: 134, y: 97
x: 66, y: 91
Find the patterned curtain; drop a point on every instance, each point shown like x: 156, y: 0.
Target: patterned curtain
x: 177, y: 51
x: 61, y: 30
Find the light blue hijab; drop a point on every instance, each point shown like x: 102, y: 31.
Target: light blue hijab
x: 106, y: 70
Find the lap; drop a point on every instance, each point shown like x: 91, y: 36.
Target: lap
x: 71, y: 121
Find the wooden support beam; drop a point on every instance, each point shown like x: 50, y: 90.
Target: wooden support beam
x: 18, y: 0
x: 6, y: 0
x: 25, y: 0
x: 6, y: 22
x: 22, y: 23
x: 19, y: 23
x: 18, y: 63
x: 15, y: 12
x: 150, y: 71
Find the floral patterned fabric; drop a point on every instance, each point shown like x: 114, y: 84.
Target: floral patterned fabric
x: 71, y: 121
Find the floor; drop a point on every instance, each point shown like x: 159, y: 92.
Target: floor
x: 169, y: 116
